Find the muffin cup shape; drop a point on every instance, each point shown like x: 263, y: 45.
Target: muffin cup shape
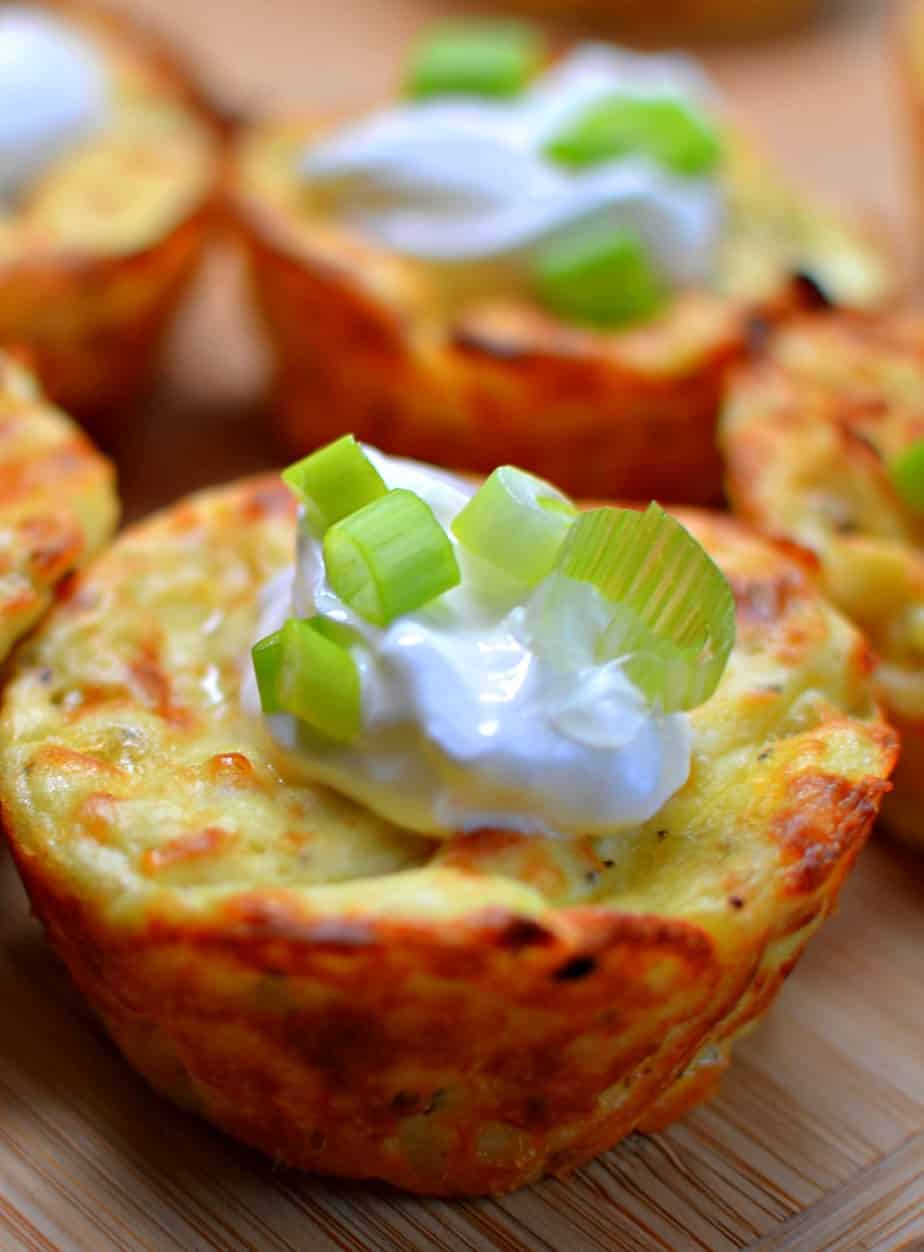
x: 94, y: 325
x: 367, y: 341
x: 58, y: 502
x: 455, y: 1016
x: 808, y: 432
x: 93, y: 307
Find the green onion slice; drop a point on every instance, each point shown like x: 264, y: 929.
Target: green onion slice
x: 674, y: 612
x: 601, y: 277
x: 335, y: 481
x: 516, y: 522
x: 318, y: 680
x: 267, y: 665
x: 669, y: 131
x: 336, y: 632
x: 390, y: 557
x: 907, y: 474
x: 487, y: 58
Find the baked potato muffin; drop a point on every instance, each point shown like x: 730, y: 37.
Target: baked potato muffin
x: 58, y: 503
x: 96, y: 251
x: 454, y: 1016
x: 810, y: 432
x: 414, y: 360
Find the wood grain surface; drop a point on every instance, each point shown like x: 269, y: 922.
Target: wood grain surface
x: 816, y: 1140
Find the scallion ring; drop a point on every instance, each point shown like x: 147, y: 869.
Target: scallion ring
x: 670, y: 131
x: 674, y: 613
x: 390, y: 558
x: 602, y: 277
x: 516, y: 522
x: 267, y: 664
x: 476, y: 58
x: 318, y: 681
x: 335, y: 481
x: 907, y: 474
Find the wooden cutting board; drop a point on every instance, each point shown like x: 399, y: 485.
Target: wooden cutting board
x: 817, y: 1138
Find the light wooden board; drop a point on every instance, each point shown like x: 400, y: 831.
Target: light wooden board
x: 817, y: 1138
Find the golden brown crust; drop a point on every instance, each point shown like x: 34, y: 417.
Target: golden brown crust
x: 504, y: 386
x: 455, y: 1016
x: 97, y: 360
x: 57, y: 501
x: 808, y: 433
x: 94, y: 260
x: 371, y: 342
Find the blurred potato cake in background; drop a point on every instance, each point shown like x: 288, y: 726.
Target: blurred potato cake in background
x: 823, y: 439
x: 109, y: 165
x: 443, y: 288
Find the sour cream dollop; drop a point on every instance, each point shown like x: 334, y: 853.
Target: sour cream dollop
x: 472, y: 716
x: 53, y: 94
x: 462, y: 179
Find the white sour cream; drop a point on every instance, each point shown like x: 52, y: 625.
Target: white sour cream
x: 461, y: 179
x: 53, y: 94
x: 471, y: 718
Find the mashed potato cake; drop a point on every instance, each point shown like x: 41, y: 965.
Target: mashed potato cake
x: 372, y: 342
x: 58, y: 503
x: 457, y: 1016
x: 95, y: 255
x: 809, y: 431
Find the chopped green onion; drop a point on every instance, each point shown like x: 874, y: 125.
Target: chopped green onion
x: 336, y: 632
x: 318, y: 681
x: 907, y: 474
x: 603, y: 278
x: 516, y: 522
x: 390, y: 557
x: 674, y: 612
x: 487, y: 58
x: 335, y: 481
x: 267, y: 664
x: 669, y: 131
